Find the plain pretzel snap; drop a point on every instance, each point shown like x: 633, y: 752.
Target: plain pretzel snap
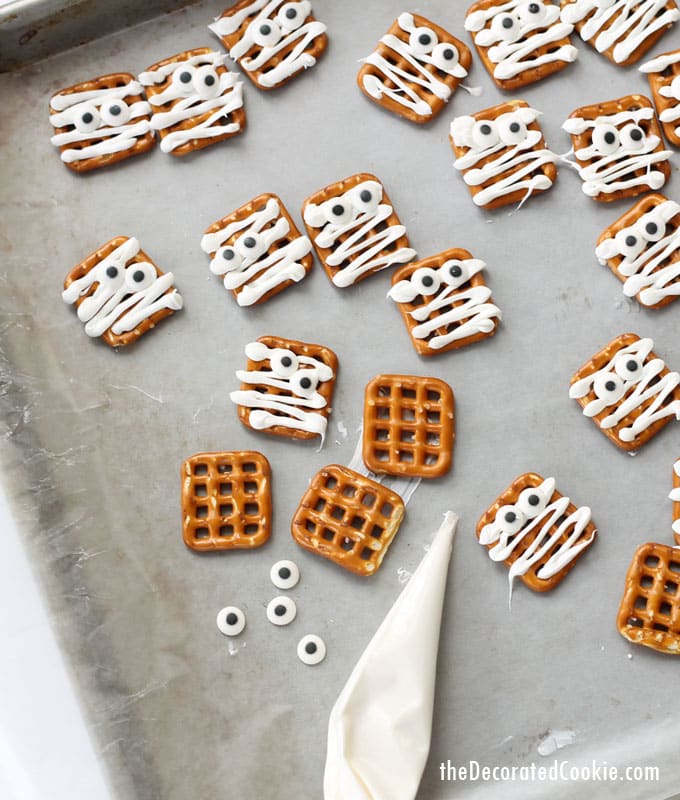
x: 663, y: 74
x: 415, y: 68
x: 226, y: 500
x: 536, y: 532
x: 649, y: 613
x: 408, y: 426
x: 347, y: 518
x: 628, y: 391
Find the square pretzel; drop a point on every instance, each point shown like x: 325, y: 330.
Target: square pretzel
x: 445, y: 302
x: 347, y: 518
x: 649, y: 613
x: 258, y: 249
x: 642, y: 248
x: 675, y: 497
x: 616, y: 144
x: 622, y: 30
x: 502, y: 154
x: 663, y: 74
x: 520, y: 43
x: 521, y: 528
x: 226, y: 501
x: 628, y: 391
x: 415, y: 68
x: 275, y: 396
x: 101, y: 121
x: 120, y: 293
x: 272, y: 41
x: 408, y: 426
x: 367, y: 236
x: 195, y: 100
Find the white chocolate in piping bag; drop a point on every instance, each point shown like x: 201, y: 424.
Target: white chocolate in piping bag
x: 380, y: 727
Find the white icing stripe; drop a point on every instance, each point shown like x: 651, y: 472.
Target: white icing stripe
x: 260, y: 273
x: 511, y: 49
x: 626, y: 24
x: 635, y: 392
x: 660, y: 63
x: 61, y: 102
x: 402, y: 90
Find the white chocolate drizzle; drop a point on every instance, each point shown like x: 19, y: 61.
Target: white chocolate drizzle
x: 671, y: 90
x: 675, y: 495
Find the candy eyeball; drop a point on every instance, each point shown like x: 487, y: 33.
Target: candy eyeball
x: 652, y: 226
x: 632, y: 137
x: 311, y: 650
x: 366, y: 198
x: 485, y: 134
x: 445, y: 56
x: 628, y: 367
x: 207, y: 82
x: 284, y: 363
x: 510, y: 519
x: 511, y: 129
x: 338, y: 210
x: 422, y: 40
x: 183, y: 80
x: 454, y: 272
x: 426, y: 281
x: 506, y: 27
x: 629, y: 242
x: 609, y: 387
x: 281, y: 610
x: 139, y: 276
x: 533, y: 13
x: 114, y: 112
x: 285, y: 574
x: 532, y: 501
x: 86, y: 118
x: 110, y: 275
x: 265, y: 32
x: 606, y: 139
x: 304, y: 382
x: 226, y: 259
x: 231, y: 621
x: 251, y: 245
x: 292, y: 15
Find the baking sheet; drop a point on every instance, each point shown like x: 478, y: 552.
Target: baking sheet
x: 93, y: 439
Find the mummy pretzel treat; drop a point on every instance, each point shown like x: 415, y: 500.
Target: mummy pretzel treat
x: 355, y: 230
x: 663, y: 73
x: 445, y: 301
x: 119, y: 293
x: 272, y: 40
x: 415, y: 68
x: 101, y: 121
x: 642, y: 248
x: 226, y: 501
x: 618, y: 148
x: 520, y: 41
x: 628, y: 391
x: 408, y: 426
x: 258, y: 249
x: 536, y: 532
x: 287, y: 388
x: 502, y: 154
x: 196, y: 102
x: 649, y: 613
x: 622, y: 30
x: 675, y: 497
x: 347, y: 518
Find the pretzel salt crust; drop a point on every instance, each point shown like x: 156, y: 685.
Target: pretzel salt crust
x: 348, y: 519
x: 520, y: 41
x: 287, y: 388
x: 618, y: 148
x: 649, y: 613
x: 642, y: 248
x: 536, y: 532
x: 628, y: 391
x: 272, y: 40
x: 675, y: 497
x: 355, y: 230
x: 502, y: 154
x: 101, y: 121
x: 119, y: 293
x: 622, y: 30
x: 445, y: 301
x: 258, y: 249
x: 663, y: 73
x: 196, y: 102
x: 415, y: 68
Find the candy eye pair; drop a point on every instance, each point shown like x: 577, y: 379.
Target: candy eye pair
x: 111, y: 112
x: 507, y: 129
x: 230, y: 257
x: 651, y: 227
x: 611, y: 386
x: 269, y: 32
x: 511, y: 27
x: 135, y: 278
x: 424, y: 41
x: 285, y: 364
x: 341, y: 210
x: 428, y: 281
x: 607, y: 139
x: 203, y: 81
x: 512, y: 518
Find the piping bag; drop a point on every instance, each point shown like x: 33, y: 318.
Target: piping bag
x: 380, y: 726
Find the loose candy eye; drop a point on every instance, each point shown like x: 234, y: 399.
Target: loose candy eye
x: 511, y: 129
x: 608, y: 387
x: 281, y: 610
x: 445, y: 56
x: 510, y: 519
x: 110, y: 275
x: 422, y: 40
x: 284, y: 362
x: 426, y: 281
x: 207, y: 82
x: 311, y: 649
x: 506, y: 27
x: 231, y: 621
x: 338, y: 211
x: 533, y: 13
x: 632, y: 137
x: 183, y: 80
x: 366, y: 200
x: 87, y: 118
x: 628, y: 367
x: 606, y: 139
x: 227, y: 259
x: 291, y: 16
x: 629, y: 242
x: 304, y: 382
x: 532, y: 502
x: 139, y: 276
x: 285, y: 574
x: 250, y: 245
x: 485, y: 133
x: 114, y: 112
x: 652, y: 226
x: 454, y: 272
x: 265, y: 32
